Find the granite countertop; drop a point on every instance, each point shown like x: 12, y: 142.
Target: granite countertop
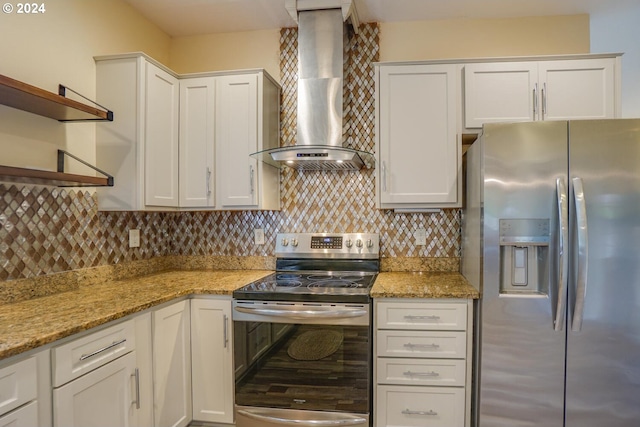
x: 29, y: 324
x: 423, y: 285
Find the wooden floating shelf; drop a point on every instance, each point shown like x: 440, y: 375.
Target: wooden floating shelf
x: 23, y: 96
x: 58, y: 179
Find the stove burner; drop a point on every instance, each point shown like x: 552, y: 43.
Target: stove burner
x: 332, y: 283
x: 274, y: 285
x: 288, y: 276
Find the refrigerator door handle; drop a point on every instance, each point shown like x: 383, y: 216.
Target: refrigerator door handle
x: 583, y: 250
x: 563, y: 261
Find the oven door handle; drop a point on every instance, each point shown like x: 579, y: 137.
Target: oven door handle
x: 304, y: 314
x: 262, y: 416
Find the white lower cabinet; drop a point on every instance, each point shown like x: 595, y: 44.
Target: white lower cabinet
x: 25, y: 416
x: 172, y: 365
x: 25, y: 389
x: 103, y: 397
x: 96, y: 379
x: 422, y: 363
x: 212, y: 359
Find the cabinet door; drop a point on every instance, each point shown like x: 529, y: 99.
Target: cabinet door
x: 161, y: 138
x: 103, y: 397
x: 417, y: 143
x: 172, y: 365
x: 577, y: 89
x: 236, y: 138
x: 500, y: 92
x: 212, y: 358
x: 197, y: 101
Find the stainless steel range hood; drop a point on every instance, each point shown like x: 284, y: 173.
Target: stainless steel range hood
x: 322, y: 64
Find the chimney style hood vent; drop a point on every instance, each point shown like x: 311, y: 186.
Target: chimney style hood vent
x: 322, y: 64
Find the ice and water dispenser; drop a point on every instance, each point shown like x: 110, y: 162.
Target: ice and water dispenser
x: 524, y: 256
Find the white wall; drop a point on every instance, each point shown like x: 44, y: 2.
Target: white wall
x: 617, y: 29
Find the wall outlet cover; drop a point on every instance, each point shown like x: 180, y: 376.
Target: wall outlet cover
x: 258, y: 236
x: 134, y: 238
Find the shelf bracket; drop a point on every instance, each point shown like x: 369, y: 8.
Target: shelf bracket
x: 62, y: 153
x: 62, y: 91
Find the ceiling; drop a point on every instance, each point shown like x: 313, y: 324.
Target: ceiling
x: 194, y: 17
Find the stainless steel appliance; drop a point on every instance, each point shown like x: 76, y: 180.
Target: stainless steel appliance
x: 550, y: 237
x: 303, y: 334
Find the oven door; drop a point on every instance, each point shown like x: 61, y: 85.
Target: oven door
x: 303, y: 364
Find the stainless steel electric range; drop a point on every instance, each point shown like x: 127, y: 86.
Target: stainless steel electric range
x: 302, y: 336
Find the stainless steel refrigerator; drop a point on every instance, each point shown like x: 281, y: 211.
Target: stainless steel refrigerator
x: 551, y: 238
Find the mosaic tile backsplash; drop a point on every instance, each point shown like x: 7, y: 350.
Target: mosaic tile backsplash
x: 49, y: 230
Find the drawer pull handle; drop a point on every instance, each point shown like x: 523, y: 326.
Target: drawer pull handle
x: 421, y: 374
x: 412, y: 346
x: 410, y: 412
x: 110, y: 346
x: 412, y: 317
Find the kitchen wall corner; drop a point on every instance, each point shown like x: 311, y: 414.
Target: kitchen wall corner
x: 47, y: 230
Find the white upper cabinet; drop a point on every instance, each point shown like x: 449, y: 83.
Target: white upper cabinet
x: 237, y: 136
x: 140, y: 146
x: 197, y: 126
x: 161, y: 137
x: 577, y: 89
x: 500, y: 92
x: 416, y: 142
x: 183, y: 142
x: 559, y: 89
x: 247, y: 121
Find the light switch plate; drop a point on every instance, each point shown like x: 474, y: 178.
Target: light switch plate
x: 134, y: 238
x: 258, y: 236
x: 421, y: 237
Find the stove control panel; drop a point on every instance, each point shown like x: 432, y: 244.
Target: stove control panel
x: 326, y: 242
x: 328, y: 245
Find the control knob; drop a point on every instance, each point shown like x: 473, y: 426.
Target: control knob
x: 285, y: 242
x: 349, y: 243
x: 369, y: 243
x: 359, y: 243
x: 294, y: 242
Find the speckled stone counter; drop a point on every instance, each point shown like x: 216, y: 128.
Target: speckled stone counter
x: 423, y: 285
x: 32, y: 323
x: 35, y: 322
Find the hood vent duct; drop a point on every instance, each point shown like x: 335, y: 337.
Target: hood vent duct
x: 322, y: 64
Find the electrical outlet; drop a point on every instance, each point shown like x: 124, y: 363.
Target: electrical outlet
x: 134, y: 238
x: 258, y: 236
x: 421, y: 237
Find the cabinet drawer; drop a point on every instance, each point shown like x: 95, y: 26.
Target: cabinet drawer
x: 85, y: 354
x: 420, y: 406
x: 433, y: 344
x: 431, y: 372
x: 27, y: 416
x: 18, y: 384
x: 432, y: 316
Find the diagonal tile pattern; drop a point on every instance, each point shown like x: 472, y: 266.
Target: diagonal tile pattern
x: 48, y: 230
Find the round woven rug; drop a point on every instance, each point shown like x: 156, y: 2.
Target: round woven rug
x: 315, y: 345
